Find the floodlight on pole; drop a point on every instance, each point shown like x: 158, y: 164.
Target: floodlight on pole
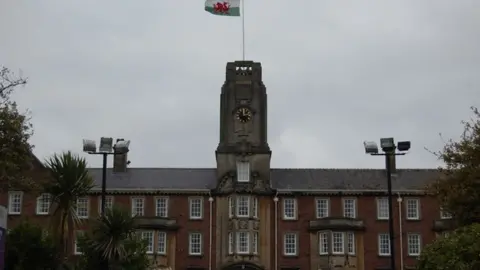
x: 105, y: 149
x: 388, y: 147
x: 106, y: 144
x: 403, y: 146
x: 89, y: 146
x: 370, y: 147
x: 387, y: 144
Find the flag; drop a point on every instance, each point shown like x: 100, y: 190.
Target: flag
x: 223, y: 8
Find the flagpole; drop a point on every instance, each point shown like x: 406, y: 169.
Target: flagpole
x: 243, y: 29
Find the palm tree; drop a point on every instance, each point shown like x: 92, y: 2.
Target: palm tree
x: 114, y: 238
x: 69, y: 181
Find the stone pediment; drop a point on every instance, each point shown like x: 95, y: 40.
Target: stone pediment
x: 156, y: 223
x: 336, y: 223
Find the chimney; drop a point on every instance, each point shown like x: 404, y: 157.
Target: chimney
x: 120, y: 162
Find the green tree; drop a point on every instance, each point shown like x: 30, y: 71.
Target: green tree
x: 458, y: 190
x: 29, y: 248
x: 459, y: 251
x: 112, y: 243
x: 70, y: 180
x: 15, y: 131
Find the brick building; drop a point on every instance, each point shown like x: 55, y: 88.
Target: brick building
x: 245, y: 215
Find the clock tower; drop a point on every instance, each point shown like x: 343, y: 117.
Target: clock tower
x: 243, y: 201
x: 243, y: 127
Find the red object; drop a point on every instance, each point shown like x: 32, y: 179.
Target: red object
x: 221, y: 7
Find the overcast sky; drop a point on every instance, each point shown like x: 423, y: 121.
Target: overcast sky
x: 337, y: 73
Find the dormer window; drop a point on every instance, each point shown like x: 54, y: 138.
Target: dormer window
x: 243, y: 171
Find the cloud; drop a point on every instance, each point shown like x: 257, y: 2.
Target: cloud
x: 337, y: 73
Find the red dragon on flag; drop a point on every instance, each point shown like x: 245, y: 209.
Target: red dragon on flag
x: 221, y: 7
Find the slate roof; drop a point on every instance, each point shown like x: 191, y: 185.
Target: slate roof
x: 281, y: 179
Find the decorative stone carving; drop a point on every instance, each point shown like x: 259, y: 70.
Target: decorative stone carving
x: 226, y: 184
x: 231, y: 225
x: 243, y: 224
x: 256, y: 225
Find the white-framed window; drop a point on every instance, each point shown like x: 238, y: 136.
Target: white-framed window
x: 351, y: 243
x: 413, y: 209
x: 147, y: 236
x: 444, y: 214
x: 255, y: 243
x: 382, y: 208
x: 322, y: 207
x: 350, y: 207
x: 290, y: 244
x: 231, y: 243
x: 161, y: 207
x: 108, y: 203
x: 243, y: 242
x: 243, y: 206
x: 289, y: 208
x: 338, y: 243
x: 196, y: 209
x: 414, y: 244
x: 15, y: 199
x: 384, y: 244
x: 323, y: 243
x: 82, y: 207
x: 76, y: 248
x: 138, y: 206
x: 162, y: 243
x: 243, y: 171
x: 43, y: 204
x: 240, y: 206
x: 195, y: 244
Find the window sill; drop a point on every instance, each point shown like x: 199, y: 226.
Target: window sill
x: 384, y: 255
x: 289, y: 219
x: 290, y: 255
x: 383, y: 219
x: 195, y: 218
x: 413, y: 219
x: 14, y: 214
x: 195, y: 255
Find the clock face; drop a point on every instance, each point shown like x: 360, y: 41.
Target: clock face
x: 243, y: 115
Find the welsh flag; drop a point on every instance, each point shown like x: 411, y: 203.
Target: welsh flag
x: 223, y: 8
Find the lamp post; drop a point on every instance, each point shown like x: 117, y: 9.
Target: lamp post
x: 389, y: 151
x: 105, y: 149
